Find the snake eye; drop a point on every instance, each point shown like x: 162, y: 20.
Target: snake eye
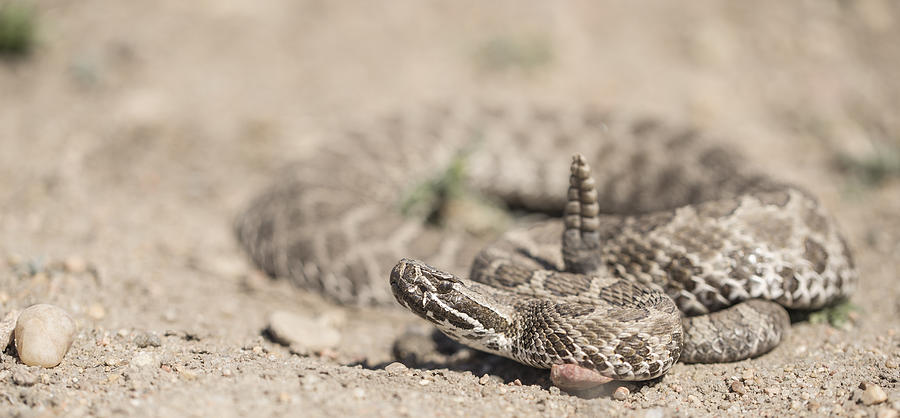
x: 444, y: 286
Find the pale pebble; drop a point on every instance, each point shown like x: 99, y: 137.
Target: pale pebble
x: 144, y: 359
x: 873, y: 394
x: 621, y: 393
x: 574, y: 377
x: 295, y: 330
x: 395, y: 368
x: 43, y: 335
x: 747, y: 374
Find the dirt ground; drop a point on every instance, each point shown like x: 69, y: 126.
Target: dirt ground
x: 135, y: 131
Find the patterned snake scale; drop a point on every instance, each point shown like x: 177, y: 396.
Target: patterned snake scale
x: 668, y: 247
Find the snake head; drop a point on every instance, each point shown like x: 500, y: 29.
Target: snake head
x: 458, y: 307
x: 414, y: 283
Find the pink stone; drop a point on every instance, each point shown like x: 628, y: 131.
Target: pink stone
x: 575, y: 377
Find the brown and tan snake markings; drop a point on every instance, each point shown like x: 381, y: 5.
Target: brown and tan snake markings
x: 669, y: 247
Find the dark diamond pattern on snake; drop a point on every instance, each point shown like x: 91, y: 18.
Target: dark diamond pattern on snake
x: 668, y: 246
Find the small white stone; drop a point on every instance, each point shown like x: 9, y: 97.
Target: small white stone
x: 621, y: 393
x: 43, y: 335
x: 144, y: 359
x: 395, y: 368
x: 293, y: 330
x: 747, y: 374
x: 873, y: 394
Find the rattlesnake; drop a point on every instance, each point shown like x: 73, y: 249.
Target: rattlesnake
x: 686, y: 230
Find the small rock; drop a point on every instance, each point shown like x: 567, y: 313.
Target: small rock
x: 395, y: 368
x: 43, y: 335
x: 6, y: 328
x: 293, y: 330
x: 23, y: 377
x: 738, y: 387
x: 146, y: 339
x: 747, y: 374
x: 574, y: 377
x: 873, y: 394
x: 188, y: 374
x: 96, y: 311
x: 144, y: 359
x: 75, y: 264
x: 621, y: 393
x: 226, y: 372
x: 889, y: 363
x: 424, y: 382
x: 484, y: 379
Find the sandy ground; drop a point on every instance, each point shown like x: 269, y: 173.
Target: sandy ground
x: 136, y: 131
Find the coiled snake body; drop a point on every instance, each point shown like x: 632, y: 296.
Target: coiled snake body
x: 676, y: 251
